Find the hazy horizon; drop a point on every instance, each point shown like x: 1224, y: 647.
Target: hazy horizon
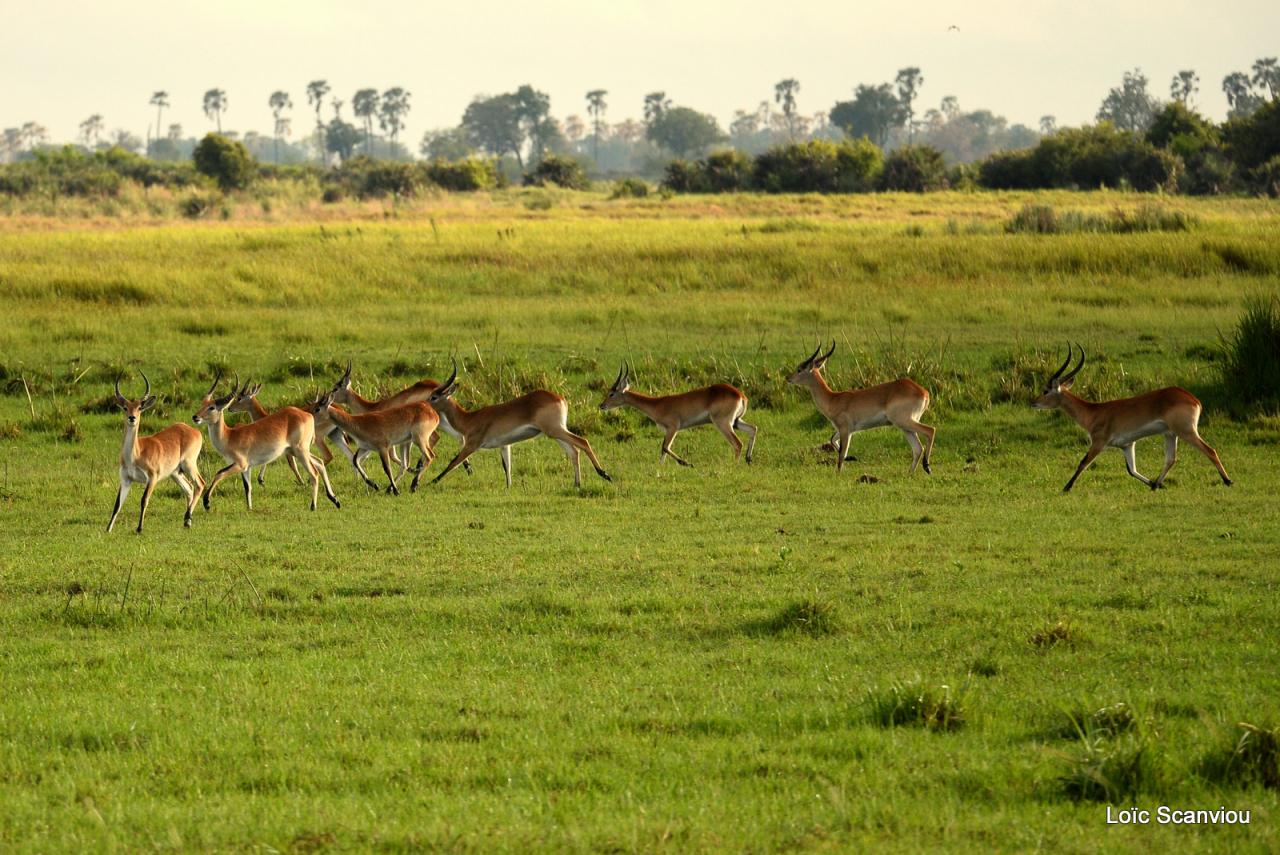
x: 76, y: 58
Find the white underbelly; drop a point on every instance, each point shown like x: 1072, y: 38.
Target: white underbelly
x: 517, y: 435
x: 1120, y: 440
x: 874, y: 422
x: 695, y: 422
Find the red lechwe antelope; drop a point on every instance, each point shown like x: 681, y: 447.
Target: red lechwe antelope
x: 501, y: 425
x: 419, y: 392
x: 899, y: 403
x: 170, y: 453
x: 1173, y: 412
x: 721, y: 405
x: 383, y: 430
x: 247, y: 402
x: 288, y: 430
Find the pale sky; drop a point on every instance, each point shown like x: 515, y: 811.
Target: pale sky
x: 66, y: 59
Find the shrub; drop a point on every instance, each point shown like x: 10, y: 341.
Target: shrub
x: 818, y: 166
x: 1088, y: 157
x: 683, y: 177
x: 725, y: 171
x: 914, y: 169
x: 197, y: 205
x: 1253, y: 140
x: 380, y: 178
x: 1044, y: 219
x: 464, y: 176
x: 1266, y: 178
x: 558, y: 170
x: 226, y: 161
x: 1251, y: 367
x: 915, y: 704
x: 630, y: 188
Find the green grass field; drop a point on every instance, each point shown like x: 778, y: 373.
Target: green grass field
x: 684, y: 659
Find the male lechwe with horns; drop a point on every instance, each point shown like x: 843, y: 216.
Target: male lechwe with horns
x: 721, y: 405
x: 1172, y: 412
x: 899, y: 403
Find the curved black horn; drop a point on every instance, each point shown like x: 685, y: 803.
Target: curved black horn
x: 453, y: 376
x: 622, y: 369
x: 217, y: 378
x: 1063, y: 366
x: 346, y: 375
x: 809, y: 361
x: 118, y: 395
x: 827, y: 355
x: 147, y: 393
x: 1074, y: 371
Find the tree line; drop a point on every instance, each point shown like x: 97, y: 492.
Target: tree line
x: 517, y: 131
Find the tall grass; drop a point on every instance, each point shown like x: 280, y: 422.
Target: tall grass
x: 1251, y: 367
x: 1147, y: 217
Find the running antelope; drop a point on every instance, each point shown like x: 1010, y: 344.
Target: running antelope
x: 721, y: 405
x: 419, y: 392
x: 501, y: 425
x: 1171, y: 411
x: 170, y: 453
x: 383, y: 430
x: 288, y: 431
x: 248, y: 403
x: 899, y: 403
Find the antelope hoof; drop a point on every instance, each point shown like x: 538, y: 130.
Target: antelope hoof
x: 928, y: 470
x: 466, y: 464
x: 1227, y: 482
x: 605, y: 475
x: 683, y: 462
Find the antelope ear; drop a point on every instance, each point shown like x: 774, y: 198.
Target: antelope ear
x: 148, y: 402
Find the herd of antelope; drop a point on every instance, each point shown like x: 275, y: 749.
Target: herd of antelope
x: 393, y: 426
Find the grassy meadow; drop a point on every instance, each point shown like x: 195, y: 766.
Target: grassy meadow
x: 712, y: 658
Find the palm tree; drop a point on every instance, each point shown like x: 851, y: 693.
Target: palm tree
x: 394, y: 106
x: 655, y: 104
x: 1184, y: 85
x: 365, y: 105
x: 316, y: 90
x: 596, y: 107
x: 279, y: 102
x: 159, y: 100
x: 1266, y: 73
x: 784, y: 93
x: 91, y: 130
x: 215, y: 102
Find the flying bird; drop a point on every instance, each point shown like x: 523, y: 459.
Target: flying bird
x: 953, y: 27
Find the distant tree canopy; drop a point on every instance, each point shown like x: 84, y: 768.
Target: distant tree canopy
x: 225, y: 161
x: 684, y: 131
x: 873, y: 113
x: 341, y: 138
x: 493, y: 125
x: 448, y: 144
x: 1129, y: 106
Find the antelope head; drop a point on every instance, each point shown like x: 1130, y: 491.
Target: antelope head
x: 805, y: 371
x: 617, y: 395
x: 1051, y: 397
x: 133, y: 409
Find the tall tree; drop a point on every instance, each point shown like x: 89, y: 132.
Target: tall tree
x: 536, y: 125
x: 215, y: 103
x: 279, y: 102
x: 365, y: 104
x: 950, y: 107
x: 873, y: 113
x: 1183, y: 86
x: 784, y: 94
x: 392, y: 108
x: 596, y: 107
x: 1266, y: 75
x: 909, y: 81
x: 684, y: 132
x: 493, y: 125
x: 1129, y: 106
x: 159, y: 100
x: 1241, y: 98
x: 316, y: 90
x: 91, y: 130
x: 574, y: 128
x: 1048, y: 124
x: 33, y: 134
x: 655, y: 104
